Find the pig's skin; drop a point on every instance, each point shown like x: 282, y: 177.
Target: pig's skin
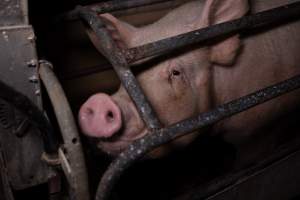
x: 210, y: 76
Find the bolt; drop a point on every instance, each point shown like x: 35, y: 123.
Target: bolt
x: 34, y: 79
x: 32, y: 63
x: 5, y: 36
x: 31, y: 38
x: 37, y: 92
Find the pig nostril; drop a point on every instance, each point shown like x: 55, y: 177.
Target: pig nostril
x: 110, y: 116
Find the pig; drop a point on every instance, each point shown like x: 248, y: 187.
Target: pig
x: 185, y: 84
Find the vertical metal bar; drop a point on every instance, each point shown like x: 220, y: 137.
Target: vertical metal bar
x: 105, y: 44
x: 68, y: 128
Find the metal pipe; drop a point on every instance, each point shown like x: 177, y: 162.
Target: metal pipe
x: 34, y: 114
x: 154, y: 139
x: 262, y: 19
x: 111, y: 6
x: 105, y: 44
x: 69, y: 131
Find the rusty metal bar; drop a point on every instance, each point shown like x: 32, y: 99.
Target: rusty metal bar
x: 69, y: 132
x: 157, y: 138
x: 111, y: 6
x: 105, y: 44
x: 262, y: 19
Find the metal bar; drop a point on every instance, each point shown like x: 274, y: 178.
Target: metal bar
x: 262, y: 19
x: 111, y: 6
x: 117, y: 5
x: 106, y: 45
x: 34, y: 114
x: 69, y: 132
x: 156, y: 138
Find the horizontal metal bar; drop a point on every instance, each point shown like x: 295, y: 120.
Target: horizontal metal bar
x: 69, y: 131
x: 117, y: 5
x: 140, y: 147
x: 106, y: 45
x: 112, y: 6
x: 262, y: 19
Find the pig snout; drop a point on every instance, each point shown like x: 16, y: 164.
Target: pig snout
x: 100, y: 117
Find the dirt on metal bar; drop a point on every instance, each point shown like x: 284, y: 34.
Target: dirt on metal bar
x: 154, y: 139
x: 274, y: 16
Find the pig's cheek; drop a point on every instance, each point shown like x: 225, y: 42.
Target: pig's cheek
x: 174, y: 108
x: 180, y: 87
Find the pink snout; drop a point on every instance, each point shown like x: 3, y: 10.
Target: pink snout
x: 100, y: 117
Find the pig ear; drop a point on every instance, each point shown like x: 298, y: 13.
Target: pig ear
x: 120, y: 31
x: 218, y: 11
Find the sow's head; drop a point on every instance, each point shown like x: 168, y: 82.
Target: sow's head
x: 178, y: 87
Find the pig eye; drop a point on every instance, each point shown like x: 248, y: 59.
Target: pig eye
x: 176, y: 73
